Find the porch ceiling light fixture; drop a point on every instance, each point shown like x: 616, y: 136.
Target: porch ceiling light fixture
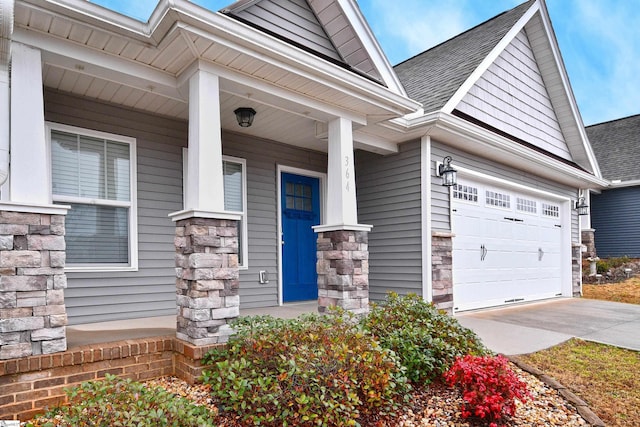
x: 245, y: 116
x: 581, y: 206
x: 448, y: 174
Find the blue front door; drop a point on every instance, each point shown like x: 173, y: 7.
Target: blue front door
x: 300, y: 211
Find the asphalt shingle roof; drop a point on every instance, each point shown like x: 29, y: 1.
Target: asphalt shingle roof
x: 434, y: 76
x: 616, y: 145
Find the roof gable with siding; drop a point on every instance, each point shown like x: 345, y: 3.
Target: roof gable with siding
x: 443, y: 76
x: 334, y: 29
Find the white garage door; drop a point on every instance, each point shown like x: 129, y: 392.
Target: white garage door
x: 507, y: 246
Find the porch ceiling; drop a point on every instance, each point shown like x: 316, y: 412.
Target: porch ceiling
x: 146, y: 67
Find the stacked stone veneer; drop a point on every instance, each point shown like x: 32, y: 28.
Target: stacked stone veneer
x: 576, y: 270
x: 207, y: 279
x: 442, y: 270
x: 32, y: 283
x: 343, y: 270
x: 589, y: 240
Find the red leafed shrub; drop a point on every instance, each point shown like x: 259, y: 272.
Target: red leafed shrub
x: 489, y: 387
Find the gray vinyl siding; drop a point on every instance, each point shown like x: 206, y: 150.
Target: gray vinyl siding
x: 511, y: 96
x: 614, y: 216
x: 262, y: 158
x: 292, y: 19
x: 389, y: 198
x: 440, y: 195
x: 150, y: 291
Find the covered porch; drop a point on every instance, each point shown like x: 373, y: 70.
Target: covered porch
x: 148, y: 327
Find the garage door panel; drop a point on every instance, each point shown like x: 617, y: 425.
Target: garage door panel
x: 506, y: 248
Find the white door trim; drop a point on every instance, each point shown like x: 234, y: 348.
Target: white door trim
x: 323, y: 191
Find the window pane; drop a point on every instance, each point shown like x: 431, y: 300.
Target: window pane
x: 118, y: 171
x: 64, y: 163
x: 97, y: 234
x: 233, y: 186
x: 91, y: 167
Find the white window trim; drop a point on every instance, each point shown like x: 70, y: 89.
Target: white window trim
x: 245, y: 236
x: 132, y: 205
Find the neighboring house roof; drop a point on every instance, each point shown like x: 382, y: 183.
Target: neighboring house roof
x: 435, y: 75
x: 617, y: 147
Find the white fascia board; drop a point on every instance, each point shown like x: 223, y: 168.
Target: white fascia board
x: 490, y: 59
x: 621, y: 184
x: 92, y: 14
x: 442, y: 123
x: 67, y: 55
x: 267, y: 94
x: 455, y: 125
x: 236, y: 35
x: 353, y: 13
x: 573, y: 105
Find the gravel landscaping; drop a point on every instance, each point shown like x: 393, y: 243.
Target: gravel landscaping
x: 437, y: 406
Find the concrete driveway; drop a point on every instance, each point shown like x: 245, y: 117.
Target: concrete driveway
x: 532, y: 327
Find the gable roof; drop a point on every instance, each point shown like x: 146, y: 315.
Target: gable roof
x: 442, y: 76
x: 434, y: 76
x: 334, y: 30
x: 617, y: 147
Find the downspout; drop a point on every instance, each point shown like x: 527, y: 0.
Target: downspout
x: 6, y: 31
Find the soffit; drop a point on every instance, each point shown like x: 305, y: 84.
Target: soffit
x: 304, y: 93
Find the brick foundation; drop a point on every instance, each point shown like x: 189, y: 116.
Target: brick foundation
x: 207, y: 279
x: 32, y: 282
x: 442, y: 270
x: 343, y: 270
x: 30, y: 384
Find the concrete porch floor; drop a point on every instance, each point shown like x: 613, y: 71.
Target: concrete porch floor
x: 103, y: 332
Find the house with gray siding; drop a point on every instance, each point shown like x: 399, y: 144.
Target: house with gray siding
x: 268, y: 153
x: 614, y: 210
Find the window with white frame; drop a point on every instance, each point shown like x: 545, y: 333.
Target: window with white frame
x: 94, y: 173
x: 235, y: 196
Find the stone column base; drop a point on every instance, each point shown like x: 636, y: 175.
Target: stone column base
x: 207, y: 279
x: 442, y: 270
x: 343, y: 270
x: 589, y: 241
x: 32, y: 282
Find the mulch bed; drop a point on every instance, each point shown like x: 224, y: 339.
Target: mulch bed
x: 436, y: 406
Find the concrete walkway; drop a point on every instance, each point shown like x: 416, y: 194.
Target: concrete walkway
x: 532, y: 327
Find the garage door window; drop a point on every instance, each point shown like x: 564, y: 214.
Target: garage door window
x: 551, y: 210
x: 467, y: 193
x: 526, y: 205
x: 498, y: 200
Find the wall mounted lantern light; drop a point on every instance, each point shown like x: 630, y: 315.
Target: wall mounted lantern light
x: 581, y: 206
x: 245, y: 116
x: 447, y: 172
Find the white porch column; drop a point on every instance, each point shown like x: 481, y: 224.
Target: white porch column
x: 205, y: 189
x: 30, y: 180
x: 341, y: 184
x: 206, y: 240
x: 343, y: 245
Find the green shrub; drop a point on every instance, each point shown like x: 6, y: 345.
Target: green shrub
x: 602, y: 266
x: 118, y: 402
x: 618, y: 261
x: 311, y: 371
x: 426, y: 340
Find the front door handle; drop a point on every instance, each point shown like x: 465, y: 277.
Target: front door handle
x: 540, y: 254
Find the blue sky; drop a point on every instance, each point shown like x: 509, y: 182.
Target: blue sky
x: 599, y: 40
